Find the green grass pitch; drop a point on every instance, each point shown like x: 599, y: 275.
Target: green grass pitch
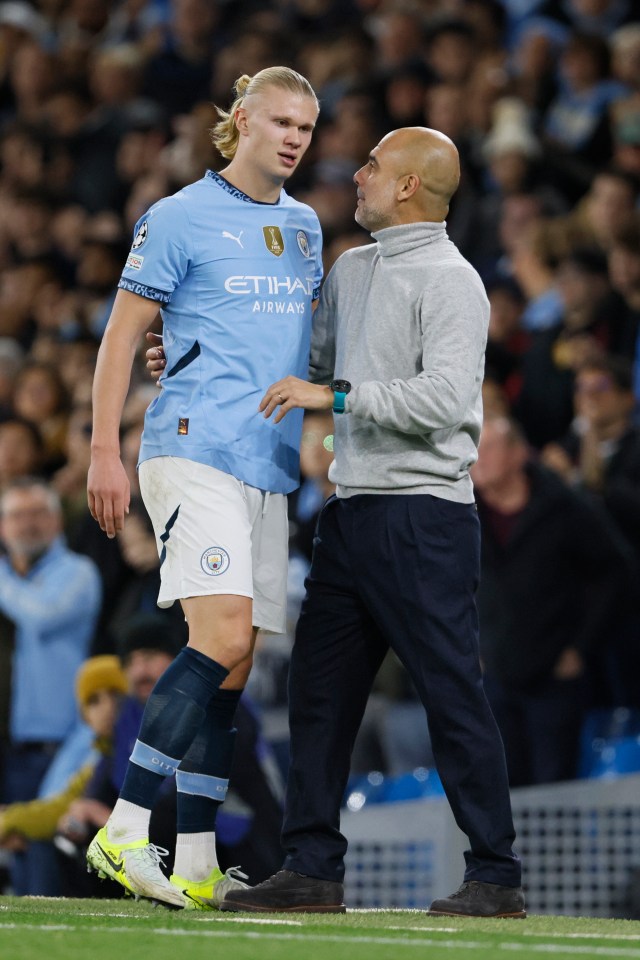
x: 33, y: 928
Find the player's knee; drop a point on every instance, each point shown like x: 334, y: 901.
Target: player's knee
x: 237, y: 679
x: 234, y: 651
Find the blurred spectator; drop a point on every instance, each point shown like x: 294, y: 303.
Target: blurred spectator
x: 552, y: 575
x: 32, y: 76
x: 507, y: 341
x: 115, y: 80
x: 513, y: 158
x: 624, y: 271
x: 532, y: 63
x: 544, y: 405
x: 601, y: 456
x: 11, y: 359
x: 595, y: 220
x: 316, y: 456
x: 598, y: 17
x: 98, y: 271
x: 398, y: 33
x: 190, y: 152
x: 99, y: 684
x: 44, y: 588
x: 21, y: 450
x: 40, y: 397
x: 179, y: 74
x: 576, y: 125
x: 451, y: 50
x: 70, y: 481
x: 625, y: 111
x: 255, y: 48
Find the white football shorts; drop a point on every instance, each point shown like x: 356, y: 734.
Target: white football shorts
x: 216, y: 534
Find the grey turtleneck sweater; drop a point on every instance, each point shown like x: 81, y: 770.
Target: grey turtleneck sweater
x: 405, y: 320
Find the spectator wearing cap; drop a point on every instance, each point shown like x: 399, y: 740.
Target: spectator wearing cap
x: 100, y: 683
x: 513, y: 157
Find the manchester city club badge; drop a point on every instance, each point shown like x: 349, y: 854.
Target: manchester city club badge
x: 273, y: 240
x: 303, y: 243
x: 215, y: 561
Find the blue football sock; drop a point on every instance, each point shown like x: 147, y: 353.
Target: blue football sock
x: 203, y: 775
x: 172, y: 718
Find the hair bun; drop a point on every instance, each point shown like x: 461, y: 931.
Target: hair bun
x: 241, y: 84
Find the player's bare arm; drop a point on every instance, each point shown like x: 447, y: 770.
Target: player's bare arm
x: 292, y: 392
x: 108, y: 490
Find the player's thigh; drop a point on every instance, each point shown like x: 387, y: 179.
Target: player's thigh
x: 203, y: 530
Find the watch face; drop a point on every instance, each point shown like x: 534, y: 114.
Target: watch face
x: 340, y: 386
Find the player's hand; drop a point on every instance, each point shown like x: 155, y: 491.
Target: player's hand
x: 156, y: 360
x: 292, y: 392
x: 108, y: 492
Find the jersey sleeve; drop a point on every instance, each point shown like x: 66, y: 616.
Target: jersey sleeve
x: 160, y: 253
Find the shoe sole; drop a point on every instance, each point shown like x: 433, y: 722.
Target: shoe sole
x: 520, y: 915
x: 233, y: 907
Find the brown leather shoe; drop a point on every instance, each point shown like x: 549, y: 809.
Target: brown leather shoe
x: 476, y: 899
x: 288, y: 892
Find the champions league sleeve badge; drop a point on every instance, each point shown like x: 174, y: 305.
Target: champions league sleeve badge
x: 303, y: 243
x: 140, y: 236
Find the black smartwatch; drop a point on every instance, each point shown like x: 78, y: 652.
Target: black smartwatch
x: 340, y: 390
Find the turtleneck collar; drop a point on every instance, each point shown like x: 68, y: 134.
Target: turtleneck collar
x: 394, y: 240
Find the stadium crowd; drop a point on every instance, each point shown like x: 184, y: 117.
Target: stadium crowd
x: 106, y: 107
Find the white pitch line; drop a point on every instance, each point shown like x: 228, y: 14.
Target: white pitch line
x: 568, y: 950
x: 227, y: 919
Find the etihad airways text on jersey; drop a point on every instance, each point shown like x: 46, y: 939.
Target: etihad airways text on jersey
x: 268, y: 285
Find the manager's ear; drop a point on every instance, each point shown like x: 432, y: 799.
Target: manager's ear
x: 408, y: 186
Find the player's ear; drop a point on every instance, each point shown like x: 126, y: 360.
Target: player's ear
x: 240, y: 119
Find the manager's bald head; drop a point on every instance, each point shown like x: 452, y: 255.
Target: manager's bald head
x: 410, y: 177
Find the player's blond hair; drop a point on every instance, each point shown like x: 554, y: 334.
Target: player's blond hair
x: 225, y: 134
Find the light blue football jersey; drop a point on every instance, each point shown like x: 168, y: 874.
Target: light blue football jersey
x: 234, y: 279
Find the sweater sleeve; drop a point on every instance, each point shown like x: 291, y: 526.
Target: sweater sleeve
x: 323, y: 339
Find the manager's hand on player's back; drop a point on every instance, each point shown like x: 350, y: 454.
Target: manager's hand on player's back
x: 156, y: 360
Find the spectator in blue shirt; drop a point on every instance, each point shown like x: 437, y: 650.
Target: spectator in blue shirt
x: 53, y: 597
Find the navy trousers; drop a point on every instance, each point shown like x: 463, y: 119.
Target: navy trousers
x: 399, y: 571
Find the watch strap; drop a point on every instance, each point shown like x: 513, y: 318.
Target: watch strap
x: 338, y: 401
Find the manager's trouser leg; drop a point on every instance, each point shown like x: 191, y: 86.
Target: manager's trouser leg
x: 422, y: 598
x: 336, y: 655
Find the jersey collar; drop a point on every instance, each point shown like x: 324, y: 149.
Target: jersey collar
x: 235, y: 192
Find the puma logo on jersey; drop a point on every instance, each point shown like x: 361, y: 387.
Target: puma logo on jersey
x: 230, y: 236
